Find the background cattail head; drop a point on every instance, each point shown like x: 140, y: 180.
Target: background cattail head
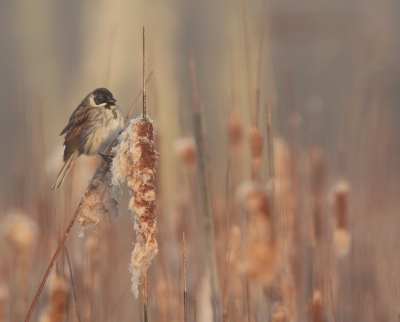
x: 340, y: 196
x: 256, y: 144
x: 341, y: 241
x: 135, y: 161
x: 318, y: 174
x: 341, y: 234
x: 185, y: 149
x: 235, y: 133
x: 316, y: 308
x: 4, y: 303
x: 254, y: 198
x: 20, y: 231
x: 58, y: 300
x: 280, y: 313
x: 99, y: 198
x: 262, y: 256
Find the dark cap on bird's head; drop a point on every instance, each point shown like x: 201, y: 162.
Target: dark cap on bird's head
x: 103, y: 95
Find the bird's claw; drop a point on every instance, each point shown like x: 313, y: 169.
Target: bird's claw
x: 106, y: 157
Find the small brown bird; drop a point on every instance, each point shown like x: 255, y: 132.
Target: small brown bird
x: 92, y: 127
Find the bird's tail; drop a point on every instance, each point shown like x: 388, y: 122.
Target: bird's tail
x: 67, y: 165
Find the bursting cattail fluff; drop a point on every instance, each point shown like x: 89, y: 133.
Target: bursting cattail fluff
x: 135, y: 161
x: 99, y: 198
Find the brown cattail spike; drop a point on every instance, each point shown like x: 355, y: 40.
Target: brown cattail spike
x: 341, y: 234
x: 316, y: 308
x: 341, y: 195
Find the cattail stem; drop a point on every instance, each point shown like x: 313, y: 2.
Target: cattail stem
x: 136, y: 100
x: 53, y: 260
x: 271, y: 149
x: 145, y: 296
x: 144, y: 72
x: 185, y: 304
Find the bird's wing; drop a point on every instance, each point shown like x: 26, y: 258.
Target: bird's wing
x: 77, y: 123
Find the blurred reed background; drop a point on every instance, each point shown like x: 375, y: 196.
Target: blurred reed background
x: 321, y: 244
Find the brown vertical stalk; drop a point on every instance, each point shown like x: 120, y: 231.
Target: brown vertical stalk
x: 73, y: 284
x: 185, y: 304
x: 145, y: 296
x: 271, y: 150
x: 226, y: 287
x: 144, y: 72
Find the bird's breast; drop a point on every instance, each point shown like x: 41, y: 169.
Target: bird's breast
x: 105, y: 127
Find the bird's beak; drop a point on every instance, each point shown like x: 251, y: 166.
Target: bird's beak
x: 111, y: 101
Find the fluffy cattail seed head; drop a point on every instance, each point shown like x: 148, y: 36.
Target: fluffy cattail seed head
x: 99, y: 198
x: 185, y: 149
x: 135, y: 161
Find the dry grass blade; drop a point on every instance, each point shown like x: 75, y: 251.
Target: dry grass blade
x: 185, y: 304
x: 73, y: 284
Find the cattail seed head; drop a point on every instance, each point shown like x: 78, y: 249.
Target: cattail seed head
x: 185, y: 149
x: 316, y: 308
x: 280, y: 314
x: 20, y: 232
x: 58, y: 300
x: 341, y: 234
x: 4, y: 303
x: 235, y: 133
x: 340, y: 203
x: 255, y: 199
x: 135, y: 161
x: 262, y: 258
x: 341, y: 241
x: 256, y: 144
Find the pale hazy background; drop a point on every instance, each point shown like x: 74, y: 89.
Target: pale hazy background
x: 330, y: 71
x: 339, y: 55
